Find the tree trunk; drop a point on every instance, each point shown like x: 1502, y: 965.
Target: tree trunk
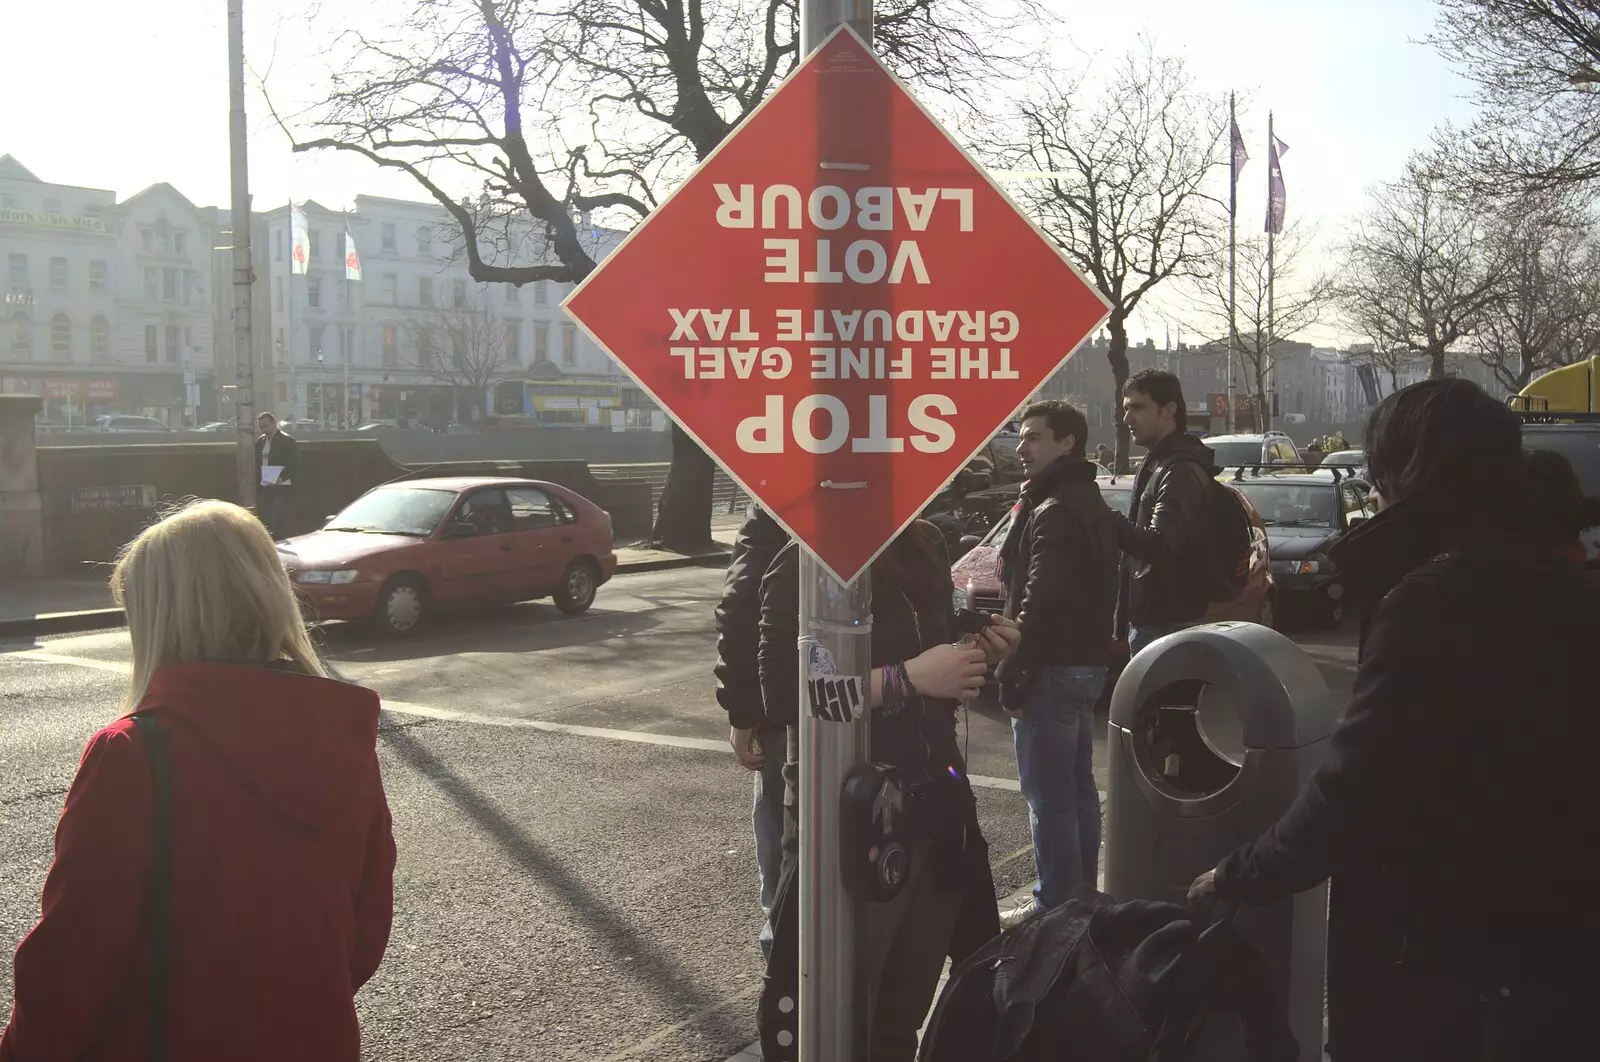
x: 1436, y: 364
x: 683, y: 522
x: 1263, y: 411
x: 1117, y: 355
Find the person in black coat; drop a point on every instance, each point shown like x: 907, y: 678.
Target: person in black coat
x: 759, y: 745
x: 276, y: 449
x: 1453, y: 814
x: 947, y: 905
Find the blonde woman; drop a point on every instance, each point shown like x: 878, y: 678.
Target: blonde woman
x: 223, y: 882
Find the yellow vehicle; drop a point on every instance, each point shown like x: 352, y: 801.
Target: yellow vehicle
x: 1572, y: 388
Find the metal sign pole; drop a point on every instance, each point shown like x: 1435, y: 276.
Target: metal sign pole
x: 833, y: 1017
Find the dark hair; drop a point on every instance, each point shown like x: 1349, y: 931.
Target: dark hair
x: 1161, y: 387
x: 1558, y: 500
x: 913, y: 565
x: 1447, y: 434
x: 1064, y: 420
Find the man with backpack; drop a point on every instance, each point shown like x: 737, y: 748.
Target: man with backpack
x: 1059, y: 563
x: 1184, y: 536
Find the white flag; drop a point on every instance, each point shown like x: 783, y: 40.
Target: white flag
x: 300, y: 239
x: 352, y: 261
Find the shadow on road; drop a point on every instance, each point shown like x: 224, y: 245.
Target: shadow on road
x: 588, y: 906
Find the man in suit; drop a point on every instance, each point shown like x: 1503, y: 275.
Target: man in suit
x: 276, y: 450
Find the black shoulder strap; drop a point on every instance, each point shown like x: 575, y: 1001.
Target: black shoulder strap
x: 158, y: 898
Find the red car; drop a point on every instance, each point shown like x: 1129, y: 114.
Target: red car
x: 978, y: 585
x: 403, y: 550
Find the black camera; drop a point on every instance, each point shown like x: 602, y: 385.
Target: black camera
x: 972, y: 621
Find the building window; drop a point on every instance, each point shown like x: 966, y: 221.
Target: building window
x: 147, y: 240
x: 18, y: 271
x: 98, y: 278
x: 569, y: 344
x: 58, y: 272
x: 53, y: 205
x: 388, y: 236
x: 163, y: 236
x: 541, y: 341
x: 8, y: 202
x: 152, y: 344
x: 93, y: 210
x: 61, y: 337
x: 152, y: 283
x: 21, y: 335
x: 315, y: 334
x: 277, y: 292
x: 424, y: 347
x: 458, y: 295
x: 391, y: 288
x: 424, y: 240
x: 541, y: 294
x: 172, y: 344
x: 513, y: 295
x: 279, y: 346
x: 180, y: 243
x: 169, y: 285
x: 314, y: 290
x: 513, y: 341
x: 425, y: 291
x: 391, y: 345
x: 99, y: 339
x: 458, y: 347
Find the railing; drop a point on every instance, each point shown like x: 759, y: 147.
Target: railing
x: 726, y: 496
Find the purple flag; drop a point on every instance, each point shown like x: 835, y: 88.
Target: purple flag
x: 1240, y: 156
x: 1275, y: 198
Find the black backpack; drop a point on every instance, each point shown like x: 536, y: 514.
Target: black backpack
x: 1226, y: 538
x: 1100, y: 981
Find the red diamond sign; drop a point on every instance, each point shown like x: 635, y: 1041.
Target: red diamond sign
x: 839, y: 305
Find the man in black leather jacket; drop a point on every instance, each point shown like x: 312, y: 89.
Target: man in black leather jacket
x: 759, y: 745
x: 1059, y: 563
x: 1164, y: 566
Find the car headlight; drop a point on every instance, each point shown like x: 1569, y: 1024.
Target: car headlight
x: 337, y: 578
x: 1296, y: 567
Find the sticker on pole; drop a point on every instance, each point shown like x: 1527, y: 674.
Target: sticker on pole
x: 829, y: 695
x: 839, y: 306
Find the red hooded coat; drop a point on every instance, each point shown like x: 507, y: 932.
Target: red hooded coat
x: 282, y: 881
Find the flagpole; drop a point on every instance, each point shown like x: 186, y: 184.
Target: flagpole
x: 1233, y: 211
x: 1269, y: 369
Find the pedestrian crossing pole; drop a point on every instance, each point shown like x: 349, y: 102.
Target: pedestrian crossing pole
x: 836, y: 626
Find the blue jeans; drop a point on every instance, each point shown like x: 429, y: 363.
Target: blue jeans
x: 1139, y: 637
x: 1054, y: 739
x: 766, y: 817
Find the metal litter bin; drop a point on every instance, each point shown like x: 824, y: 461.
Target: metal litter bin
x: 1213, y: 732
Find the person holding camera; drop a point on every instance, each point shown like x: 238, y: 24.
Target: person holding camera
x: 1059, y: 565
x: 926, y: 659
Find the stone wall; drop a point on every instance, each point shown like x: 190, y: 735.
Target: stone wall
x: 21, y: 525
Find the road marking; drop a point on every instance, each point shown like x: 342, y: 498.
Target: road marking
x: 451, y: 715
x: 677, y: 1027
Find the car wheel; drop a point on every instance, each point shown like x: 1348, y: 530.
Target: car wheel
x: 1269, y: 612
x: 578, y: 585
x: 402, y: 606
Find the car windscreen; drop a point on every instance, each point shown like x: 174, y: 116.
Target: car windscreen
x: 396, y: 511
x: 1291, y: 504
x: 1346, y: 457
x: 1117, y: 497
x: 1236, y: 453
x: 1580, y: 446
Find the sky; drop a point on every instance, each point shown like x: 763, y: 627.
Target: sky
x: 1353, y: 90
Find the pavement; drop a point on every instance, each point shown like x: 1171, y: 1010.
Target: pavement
x: 576, y: 877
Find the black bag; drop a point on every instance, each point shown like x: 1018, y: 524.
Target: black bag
x: 158, y: 894
x: 1228, y: 538
x: 1098, y: 981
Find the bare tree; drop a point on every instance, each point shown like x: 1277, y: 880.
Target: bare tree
x: 1301, y: 297
x: 463, y: 346
x: 1121, y: 186
x: 1419, y: 270
x: 1536, y: 64
x: 1546, y: 309
x: 484, y: 94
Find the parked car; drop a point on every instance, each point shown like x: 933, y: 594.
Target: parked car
x: 1355, y: 460
x: 1267, y: 448
x: 1578, y: 440
x: 404, y: 550
x: 216, y: 426
x: 121, y: 422
x: 978, y: 584
x: 1304, y: 512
